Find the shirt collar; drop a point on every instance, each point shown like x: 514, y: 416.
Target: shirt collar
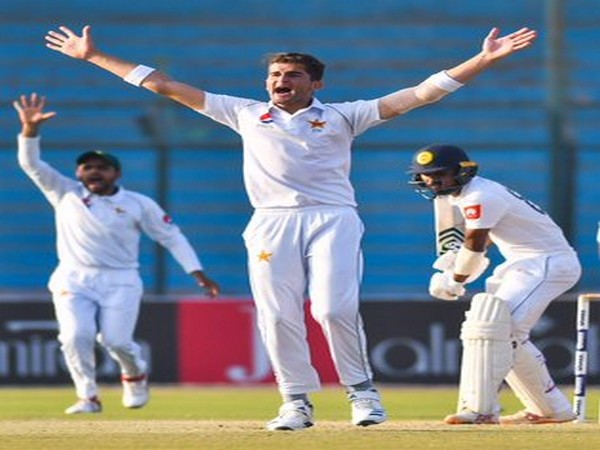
x: 114, y: 197
x: 316, y: 103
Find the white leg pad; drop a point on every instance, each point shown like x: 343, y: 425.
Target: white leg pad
x: 487, y: 353
x: 533, y: 385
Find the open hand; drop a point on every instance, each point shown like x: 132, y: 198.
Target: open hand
x: 31, y: 112
x: 498, y: 47
x: 69, y: 43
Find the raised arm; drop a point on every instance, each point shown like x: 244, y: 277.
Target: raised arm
x: 494, y: 49
x: 31, y: 114
x: 65, y: 41
x: 52, y: 183
x: 439, y: 85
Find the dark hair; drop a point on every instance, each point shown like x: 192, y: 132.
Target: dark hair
x: 312, y: 65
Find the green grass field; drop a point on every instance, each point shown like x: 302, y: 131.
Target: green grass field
x: 233, y: 418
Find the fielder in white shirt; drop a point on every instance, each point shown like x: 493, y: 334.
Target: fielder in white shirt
x: 305, y: 234
x: 96, y: 288
x: 539, y: 266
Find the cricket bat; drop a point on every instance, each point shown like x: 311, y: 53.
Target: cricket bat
x: 449, y: 225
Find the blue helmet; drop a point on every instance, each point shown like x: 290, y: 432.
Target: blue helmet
x: 441, y: 158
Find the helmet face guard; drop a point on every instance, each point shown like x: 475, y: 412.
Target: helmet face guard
x: 441, y: 159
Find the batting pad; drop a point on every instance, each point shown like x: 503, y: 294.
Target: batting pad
x: 532, y: 384
x: 487, y: 353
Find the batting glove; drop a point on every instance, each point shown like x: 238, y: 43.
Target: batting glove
x: 443, y: 286
x: 446, y: 262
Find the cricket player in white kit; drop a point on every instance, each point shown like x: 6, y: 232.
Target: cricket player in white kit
x: 304, y: 237
x: 96, y: 288
x: 539, y: 266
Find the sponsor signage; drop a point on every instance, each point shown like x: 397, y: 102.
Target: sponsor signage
x: 30, y: 352
x: 418, y: 342
x: 217, y: 341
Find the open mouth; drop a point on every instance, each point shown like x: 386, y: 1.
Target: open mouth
x: 95, y: 182
x: 282, y: 90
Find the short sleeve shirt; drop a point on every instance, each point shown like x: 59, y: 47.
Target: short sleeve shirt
x: 517, y: 226
x: 299, y: 159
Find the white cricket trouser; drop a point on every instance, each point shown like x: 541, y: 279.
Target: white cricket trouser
x: 314, y: 250
x: 102, y: 305
x: 529, y: 285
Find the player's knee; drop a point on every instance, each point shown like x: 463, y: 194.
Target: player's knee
x: 520, y: 335
x: 488, y: 318
x: 76, y: 338
x: 274, y: 319
x: 333, y: 315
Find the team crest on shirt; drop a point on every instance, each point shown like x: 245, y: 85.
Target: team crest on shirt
x: 119, y: 210
x: 317, y: 125
x: 472, y: 212
x: 167, y: 219
x: 266, y: 118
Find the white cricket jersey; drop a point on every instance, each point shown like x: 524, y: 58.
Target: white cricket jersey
x: 518, y: 227
x: 102, y: 231
x: 299, y: 159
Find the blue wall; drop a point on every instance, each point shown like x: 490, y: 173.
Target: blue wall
x: 371, y: 49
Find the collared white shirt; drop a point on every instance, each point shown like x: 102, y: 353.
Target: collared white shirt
x: 102, y: 231
x: 298, y: 159
x: 517, y: 226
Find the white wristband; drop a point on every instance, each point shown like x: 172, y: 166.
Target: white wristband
x: 467, y: 261
x: 444, y: 81
x: 138, y: 75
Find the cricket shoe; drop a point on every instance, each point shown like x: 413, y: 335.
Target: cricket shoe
x: 294, y: 415
x: 85, y: 405
x: 135, y: 391
x: 366, y: 408
x: 468, y: 417
x: 527, y: 418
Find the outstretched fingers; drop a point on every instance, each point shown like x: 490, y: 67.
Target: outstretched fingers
x: 523, y: 37
x: 39, y: 101
x: 86, y: 32
x: 31, y: 108
x: 67, y: 31
x: 17, y: 105
x: 500, y: 47
x: 66, y: 41
x: 55, y: 40
x: 522, y: 31
x: 48, y: 115
x: 493, y: 34
x: 34, y: 100
x: 26, y: 102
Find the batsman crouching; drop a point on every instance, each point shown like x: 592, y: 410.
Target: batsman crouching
x: 539, y: 266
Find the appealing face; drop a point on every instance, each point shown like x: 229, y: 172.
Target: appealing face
x: 440, y: 181
x: 98, y: 176
x: 290, y: 86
